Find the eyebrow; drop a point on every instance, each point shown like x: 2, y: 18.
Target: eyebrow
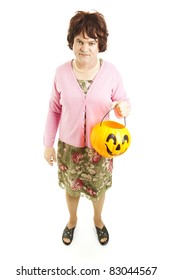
x: 90, y: 41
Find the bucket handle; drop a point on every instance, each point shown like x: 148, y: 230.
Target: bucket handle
x: 108, y: 113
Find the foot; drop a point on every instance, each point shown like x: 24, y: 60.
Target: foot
x: 103, y: 235
x: 67, y: 236
x: 99, y: 225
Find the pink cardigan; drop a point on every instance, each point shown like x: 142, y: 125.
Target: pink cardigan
x: 68, y: 104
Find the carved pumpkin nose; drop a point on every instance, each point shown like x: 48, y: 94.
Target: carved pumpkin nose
x: 118, y: 147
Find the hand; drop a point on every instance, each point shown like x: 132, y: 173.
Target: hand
x: 50, y: 155
x: 122, y: 108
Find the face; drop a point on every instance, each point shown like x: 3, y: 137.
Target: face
x: 85, y: 50
x: 110, y: 139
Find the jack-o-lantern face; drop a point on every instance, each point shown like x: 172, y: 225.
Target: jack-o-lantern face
x: 110, y: 139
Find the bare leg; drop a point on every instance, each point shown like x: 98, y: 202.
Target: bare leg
x: 98, y: 207
x: 72, y: 204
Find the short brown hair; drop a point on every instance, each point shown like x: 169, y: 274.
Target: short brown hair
x: 92, y: 24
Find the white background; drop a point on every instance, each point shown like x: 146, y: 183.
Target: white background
x: 138, y: 208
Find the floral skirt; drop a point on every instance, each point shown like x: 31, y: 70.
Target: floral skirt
x: 82, y: 171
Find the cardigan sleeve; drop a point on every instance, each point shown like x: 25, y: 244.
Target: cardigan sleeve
x: 53, y: 118
x: 119, y: 93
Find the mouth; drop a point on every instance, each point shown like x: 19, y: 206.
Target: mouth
x: 84, y: 54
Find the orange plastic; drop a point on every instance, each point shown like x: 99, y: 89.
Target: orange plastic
x: 110, y: 138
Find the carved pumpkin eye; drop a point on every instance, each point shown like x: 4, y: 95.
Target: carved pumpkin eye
x: 110, y: 139
x: 125, y: 138
x: 113, y: 137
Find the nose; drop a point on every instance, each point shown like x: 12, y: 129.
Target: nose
x: 84, y: 48
x: 118, y: 147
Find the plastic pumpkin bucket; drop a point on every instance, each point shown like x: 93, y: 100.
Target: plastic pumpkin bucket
x: 110, y: 138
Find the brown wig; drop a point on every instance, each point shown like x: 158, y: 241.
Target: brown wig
x: 91, y: 24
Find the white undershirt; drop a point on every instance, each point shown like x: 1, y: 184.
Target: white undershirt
x: 85, y: 74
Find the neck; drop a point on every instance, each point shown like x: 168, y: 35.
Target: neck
x: 86, y: 68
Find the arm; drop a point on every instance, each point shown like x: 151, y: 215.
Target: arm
x: 51, y: 127
x: 121, y: 104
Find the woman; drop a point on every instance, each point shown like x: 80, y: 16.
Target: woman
x: 83, y: 91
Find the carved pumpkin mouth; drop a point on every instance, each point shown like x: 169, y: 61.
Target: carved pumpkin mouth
x: 110, y: 152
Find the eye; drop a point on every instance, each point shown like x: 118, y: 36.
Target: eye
x: 113, y: 138
x: 125, y: 138
x: 79, y: 42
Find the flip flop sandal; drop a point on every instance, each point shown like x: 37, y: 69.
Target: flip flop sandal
x: 68, y: 233
x: 102, y: 233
